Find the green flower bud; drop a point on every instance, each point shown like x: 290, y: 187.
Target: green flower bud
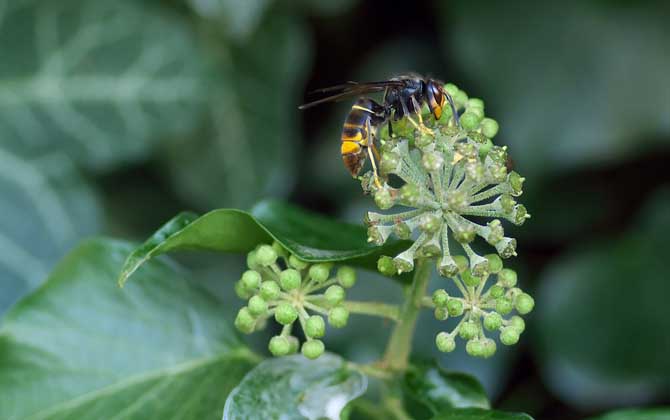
x: 506, y: 247
x: 455, y: 307
x: 479, y: 138
x: 496, y: 291
x: 252, y: 261
x: 470, y: 119
x: 384, y: 199
x: 404, y: 262
x: 269, y: 290
x: 266, y: 255
x: 451, y: 89
x: 375, y: 235
x: 461, y: 262
x: 507, y: 277
x: 423, y: 140
x: 489, y: 347
x: 457, y: 201
x: 289, y: 279
x: 445, y: 342
x: 524, y: 303
x: 390, y: 163
x: 315, y: 327
x: 446, y: 115
x: 334, y: 295
x: 338, y: 317
x: 447, y: 266
x: 245, y: 321
x: 504, y: 306
x: 513, y: 293
x: 493, y: 321
x: 475, y: 348
x: 468, y: 150
x: 430, y: 223
x: 495, y: 263
x: 507, y: 203
x: 346, y: 276
x: 468, y: 330
x: 242, y: 291
x: 509, y: 336
x: 279, y: 249
x: 440, y: 298
x: 432, y: 161
x: 489, y: 127
x: 385, y: 266
x: 497, y: 173
x: 464, y: 234
x: 441, y: 314
x: 430, y: 248
x: 479, y: 266
x: 470, y: 279
x: 410, y: 195
x: 285, y: 313
x: 279, y: 346
x: 496, y: 232
x: 251, y: 280
x: 475, y: 171
x: 519, y: 215
x: 516, y: 182
x: 460, y: 99
x: 485, y: 148
x: 475, y: 103
x: 297, y: 263
x: 498, y: 154
x: 257, y: 305
x: 517, y: 323
x: 402, y: 230
x: 312, y: 349
x: 319, y: 272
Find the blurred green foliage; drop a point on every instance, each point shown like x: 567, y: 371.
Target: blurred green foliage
x: 116, y: 114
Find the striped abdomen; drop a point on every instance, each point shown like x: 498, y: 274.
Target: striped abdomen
x: 356, y: 134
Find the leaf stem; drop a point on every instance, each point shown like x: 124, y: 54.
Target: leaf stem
x: 384, y: 310
x: 400, y: 343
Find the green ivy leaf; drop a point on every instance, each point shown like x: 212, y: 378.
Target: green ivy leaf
x: 311, y: 237
x: 479, y: 414
x: 81, y: 348
x: 437, y: 390
x: 238, y: 20
x: 587, y: 116
x: 636, y: 414
x: 296, y: 388
x: 247, y: 148
x: 46, y: 208
x: 99, y: 80
x: 609, y: 297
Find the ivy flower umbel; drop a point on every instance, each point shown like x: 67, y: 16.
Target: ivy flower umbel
x: 280, y: 285
x: 448, y: 175
x: 481, y: 308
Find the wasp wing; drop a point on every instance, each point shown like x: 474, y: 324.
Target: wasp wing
x: 350, y: 89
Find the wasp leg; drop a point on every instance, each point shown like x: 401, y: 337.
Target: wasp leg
x: 421, y: 126
x: 374, y: 167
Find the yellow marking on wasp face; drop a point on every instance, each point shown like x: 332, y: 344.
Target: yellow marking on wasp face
x: 349, y: 147
x: 361, y: 108
x: 357, y: 137
x: 437, y: 112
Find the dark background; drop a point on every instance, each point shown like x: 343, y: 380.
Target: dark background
x: 581, y: 92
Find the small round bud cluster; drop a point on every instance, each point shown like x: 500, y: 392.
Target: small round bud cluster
x: 452, y: 172
x: 280, y: 285
x: 484, y: 305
